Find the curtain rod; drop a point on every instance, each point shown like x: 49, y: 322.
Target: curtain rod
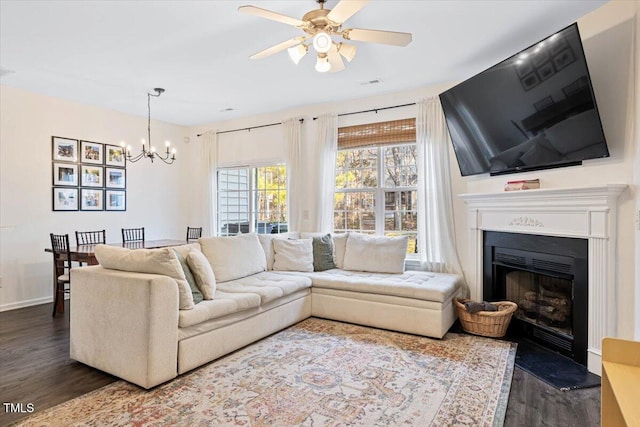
x: 373, y: 110
x: 249, y: 128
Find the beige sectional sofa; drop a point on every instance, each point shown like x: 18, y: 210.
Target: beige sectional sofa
x: 130, y: 323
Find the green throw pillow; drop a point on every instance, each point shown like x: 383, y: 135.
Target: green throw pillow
x: 197, y: 295
x: 323, y: 253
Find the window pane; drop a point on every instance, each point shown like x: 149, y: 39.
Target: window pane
x: 262, y: 189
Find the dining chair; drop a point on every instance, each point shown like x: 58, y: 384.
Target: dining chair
x: 132, y: 235
x: 194, y: 233
x: 90, y: 237
x: 62, y: 265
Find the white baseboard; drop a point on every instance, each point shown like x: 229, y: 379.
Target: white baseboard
x: 27, y: 303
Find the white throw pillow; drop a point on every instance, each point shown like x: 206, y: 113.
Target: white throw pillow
x: 293, y: 255
x: 153, y: 261
x: 376, y: 254
x: 266, y: 240
x: 339, y: 248
x: 203, y: 273
x: 234, y: 257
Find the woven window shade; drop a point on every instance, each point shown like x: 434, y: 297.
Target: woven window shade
x: 376, y: 134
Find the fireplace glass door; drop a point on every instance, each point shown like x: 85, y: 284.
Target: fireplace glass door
x: 542, y: 300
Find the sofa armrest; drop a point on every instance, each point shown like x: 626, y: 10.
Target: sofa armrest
x: 125, y: 323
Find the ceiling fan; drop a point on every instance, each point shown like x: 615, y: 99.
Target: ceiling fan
x: 319, y: 25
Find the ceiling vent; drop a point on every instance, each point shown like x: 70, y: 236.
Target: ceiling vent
x: 371, y: 82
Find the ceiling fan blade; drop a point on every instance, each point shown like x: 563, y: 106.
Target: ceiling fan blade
x: 278, y: 48
x: 377, y: 36
x: 274, y: 16
x: 337, y: 64
x: 345, y: 9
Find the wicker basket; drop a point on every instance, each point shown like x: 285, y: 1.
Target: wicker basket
x: 486, y: 323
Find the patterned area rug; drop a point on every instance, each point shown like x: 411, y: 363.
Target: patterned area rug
x: 317, y: 373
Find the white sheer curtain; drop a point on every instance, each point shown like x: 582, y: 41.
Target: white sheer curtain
x: 295, y: 175
x: 436, y: 233
x: 210, y: 188
x: 327, y: 150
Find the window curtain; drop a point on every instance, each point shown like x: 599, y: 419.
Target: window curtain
x: 210, y: 196
x: 295, y: 175
x: 436, y: 233
x: 326, y: 155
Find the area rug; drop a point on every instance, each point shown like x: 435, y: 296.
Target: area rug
x: 317, y: 373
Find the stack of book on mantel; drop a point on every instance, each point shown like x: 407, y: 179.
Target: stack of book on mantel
x: 524, y: 184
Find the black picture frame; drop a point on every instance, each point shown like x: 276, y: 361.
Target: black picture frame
x: 540, y: 58
x: 64, y: 149
x: 92, y: 176
x: 115, y: 178
x: 65, y: 174
x: 115, y: 156
x: 563, y: 59
x: 91, y: 153
x: 91, y: 199
x: 64, y: 199
x: 545, y: 71
x: 530, y: 81
x: 116, y: 200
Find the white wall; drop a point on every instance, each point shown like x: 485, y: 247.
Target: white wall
x: 155, y: 196
x: 607, y: 36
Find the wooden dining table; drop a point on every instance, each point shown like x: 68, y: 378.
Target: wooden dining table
x: 86, y: 254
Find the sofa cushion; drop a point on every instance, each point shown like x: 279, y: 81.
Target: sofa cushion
x: 203, y: 273
x: 293, y: 255
x: 234, y: 257
x: 423, y: 285
x: 266, y: 240
x: 377, y: 254
x: 185, y: 249
x: 323, y: 253
x: 195, y: 291
x: 153, y: 261
x: 222, y: 305
x: 339, y: 248
x: 269, y: 285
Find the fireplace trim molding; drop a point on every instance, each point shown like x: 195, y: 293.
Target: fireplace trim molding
x: 587, y: 212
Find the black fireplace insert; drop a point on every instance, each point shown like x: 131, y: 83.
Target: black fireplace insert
x: 548, y: 278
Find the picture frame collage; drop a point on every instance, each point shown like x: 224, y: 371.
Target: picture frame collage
x: 544, y: 63
x: 88, y: 176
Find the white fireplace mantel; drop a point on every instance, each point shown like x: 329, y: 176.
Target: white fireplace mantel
x: 587, y: 212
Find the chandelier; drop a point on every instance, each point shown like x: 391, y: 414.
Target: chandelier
x: 148, y: 150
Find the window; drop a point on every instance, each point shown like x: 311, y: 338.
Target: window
x: 376, y: 191
x: 252, y: 199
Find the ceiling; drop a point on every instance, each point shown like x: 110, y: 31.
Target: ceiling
x: 110, y: 53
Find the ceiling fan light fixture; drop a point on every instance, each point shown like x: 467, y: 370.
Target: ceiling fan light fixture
x: 322, y: 42
x: 348, y: 51
x: 296, y: 53
x: 323, y: 65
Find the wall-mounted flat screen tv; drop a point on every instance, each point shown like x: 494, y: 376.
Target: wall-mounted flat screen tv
x: 535, y: 110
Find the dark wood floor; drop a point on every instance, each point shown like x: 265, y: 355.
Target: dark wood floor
x: 35, y: 368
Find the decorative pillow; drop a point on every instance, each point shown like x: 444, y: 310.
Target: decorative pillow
x: 339, y: 248
x: 323, y: 253
x: 197, y: 295
x: 266, y: 240
x: 185, y: 249
x: 153, y: 261
x: 203, y: 273
x: 293, y: 255
x: 376, y: 254
x: 234, y: 257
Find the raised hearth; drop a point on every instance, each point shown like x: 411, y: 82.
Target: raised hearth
x: 588, y: 213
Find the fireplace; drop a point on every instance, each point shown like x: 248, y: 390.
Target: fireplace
x: 548, y: 278
x: 585, y: 214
